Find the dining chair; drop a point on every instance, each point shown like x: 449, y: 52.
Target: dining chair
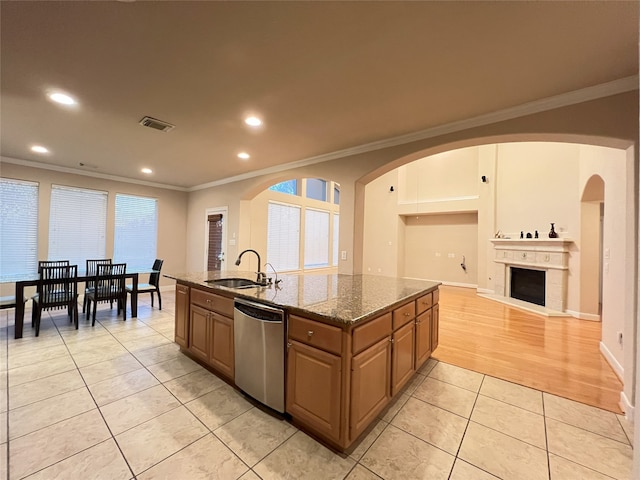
x: 90, y: 272
x: 57, y: 288
x: 109, y: 286
x: 49, y: 263
x: 154, y: 283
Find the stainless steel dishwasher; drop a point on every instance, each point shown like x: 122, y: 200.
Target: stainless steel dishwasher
x: 259, y: 351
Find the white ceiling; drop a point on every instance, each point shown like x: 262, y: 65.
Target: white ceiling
x: 325, y: 76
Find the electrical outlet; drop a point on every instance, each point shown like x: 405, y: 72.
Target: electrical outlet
x: 343, y: 254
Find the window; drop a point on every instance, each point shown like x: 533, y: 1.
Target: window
x: 336, y: 235
x: 289, y: 187
x: 316, y: 239
x: 77, y: 224
x: 18, y: 227
x: 317, y: 189
x: 336, y: 194
x: 136, y: 231
x: 283, y: 236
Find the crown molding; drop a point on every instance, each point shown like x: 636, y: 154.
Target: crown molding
x: 75, y: 171
x: 595, y: 92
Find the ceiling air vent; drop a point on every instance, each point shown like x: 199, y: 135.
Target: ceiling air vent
x: 157, y: 124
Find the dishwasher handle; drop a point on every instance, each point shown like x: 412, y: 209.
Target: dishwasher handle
x: 259, y: 311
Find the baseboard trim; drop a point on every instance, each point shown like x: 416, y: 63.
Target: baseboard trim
x: 445, y: 282
x: 626, y: 407
x: 611, y: 360
x: 485, y: 291
x: 584, y: 316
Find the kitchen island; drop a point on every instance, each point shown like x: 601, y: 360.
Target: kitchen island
x: 352, y: 341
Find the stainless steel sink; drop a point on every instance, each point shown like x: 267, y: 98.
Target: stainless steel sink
x: 234, y: 282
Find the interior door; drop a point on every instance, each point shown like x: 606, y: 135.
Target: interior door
x: 215, y: 243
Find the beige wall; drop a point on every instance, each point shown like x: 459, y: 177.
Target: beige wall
x: 172, y: 207
x: 615, y: 167
x: 435, y: 246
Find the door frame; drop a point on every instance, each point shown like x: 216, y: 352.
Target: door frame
x: 224, y: 211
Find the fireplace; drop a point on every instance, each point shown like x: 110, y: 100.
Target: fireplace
x: 528, y: 285
x: 545, y: 264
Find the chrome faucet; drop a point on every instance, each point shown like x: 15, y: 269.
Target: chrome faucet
x: 262, y: 277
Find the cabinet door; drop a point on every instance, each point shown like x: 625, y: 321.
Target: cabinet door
x: 182, y: 315
x: 199, y: 340
x: 222, y: 344
x: 370, y: 385
x: 435, y: 326
x: 423, y: 338
x: 314, y: 388
x: 402, y: 362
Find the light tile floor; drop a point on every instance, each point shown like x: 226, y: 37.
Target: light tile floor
x: 119, y: 401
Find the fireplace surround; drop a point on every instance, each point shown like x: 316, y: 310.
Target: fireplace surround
x: 549, y: 256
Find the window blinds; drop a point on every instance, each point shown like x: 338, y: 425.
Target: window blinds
x: 77, y: 224
x: 18, y: 227
x: 316, y: 238
x: 136, y: 231
x: 283, y: 236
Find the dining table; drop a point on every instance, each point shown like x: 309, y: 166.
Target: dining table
x: 31, y: 279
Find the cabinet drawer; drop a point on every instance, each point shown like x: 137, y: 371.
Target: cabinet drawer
x: 372, y: 331
x: 317, y: 334
x: 404, y: 314
x: 211, y: 301
x: 424, y: 303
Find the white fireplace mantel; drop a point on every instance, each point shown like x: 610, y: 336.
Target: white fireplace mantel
x: 550, y: 255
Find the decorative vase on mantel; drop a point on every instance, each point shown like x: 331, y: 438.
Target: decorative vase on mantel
x: 552, y: 232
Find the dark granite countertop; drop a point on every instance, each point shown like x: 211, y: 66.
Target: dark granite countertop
x: 340, y: 299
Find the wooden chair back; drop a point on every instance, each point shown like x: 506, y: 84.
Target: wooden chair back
x: 109, y: 282
x: 154, y: 278
x: 57, y: 286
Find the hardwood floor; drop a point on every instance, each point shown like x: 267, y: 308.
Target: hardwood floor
x: 559, y: 355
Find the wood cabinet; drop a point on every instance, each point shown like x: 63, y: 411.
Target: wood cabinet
x: 182, y: 316
x: 199, y: 337
x: 423, y: 337
x: 435, y: 326
x: 403, y: 357
x: 222, y: 353
x: 314, y: 380
x: 210, y: 330
x: 370, y: 385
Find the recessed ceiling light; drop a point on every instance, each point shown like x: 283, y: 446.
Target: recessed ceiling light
x: 253, y: 121
x: 39, y: 149
x: 147, y: 170
x: 244, y: 155
x: 62, y: 98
